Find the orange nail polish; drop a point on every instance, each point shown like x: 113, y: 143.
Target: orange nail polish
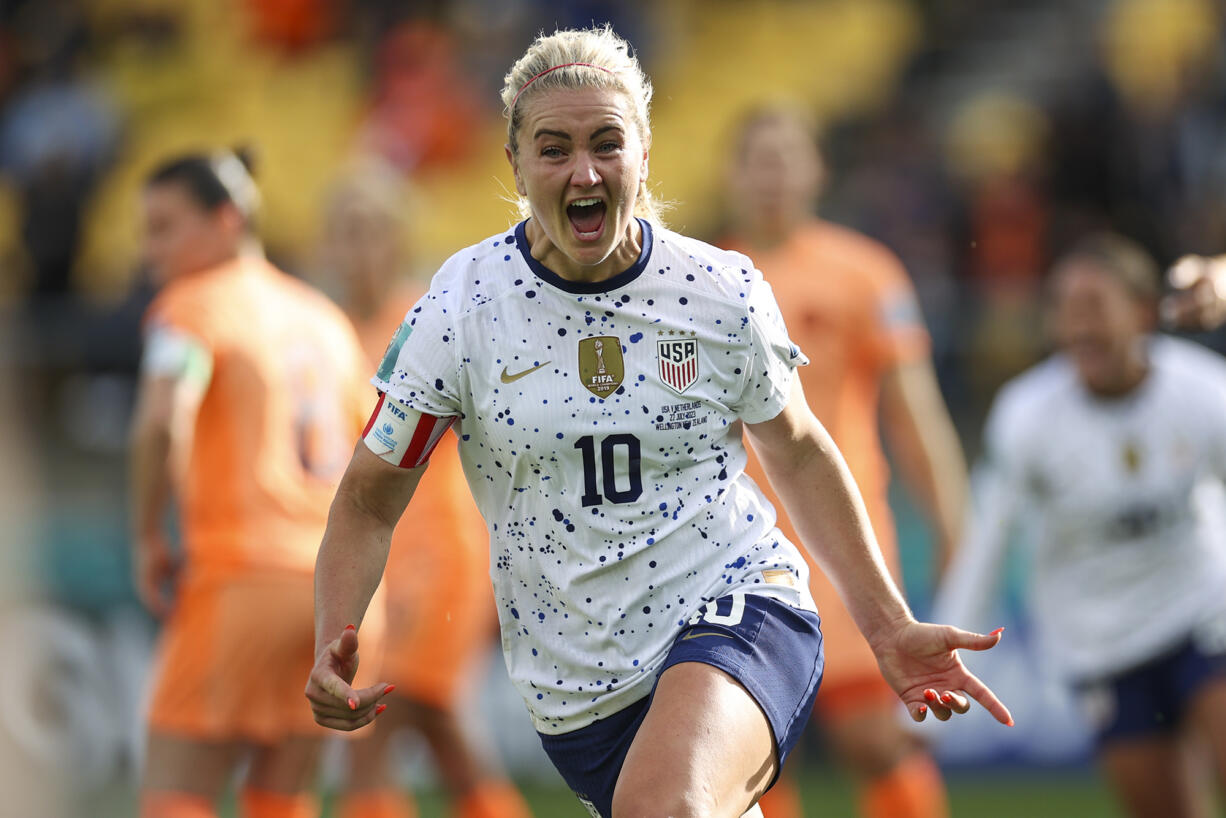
x: 353, y: 704
x: 1010, y: 722
x: 947, y: 697
x: 1001, y: 629
x: 380, y: 708
x: 350, y: 628
x: 930, y: 695
x: 923, y: 709
x: 388, y: 689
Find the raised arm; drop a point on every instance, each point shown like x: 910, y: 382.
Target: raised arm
x: 927, y: 451
x: 919, y: 660
x: 369, y: 501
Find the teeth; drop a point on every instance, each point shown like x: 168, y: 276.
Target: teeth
x: 585, y: 202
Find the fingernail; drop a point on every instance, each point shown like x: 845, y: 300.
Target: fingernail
x: 1009, y: 722
x: 1001, y: 629
x: 380, y: 708
x: 923, y: 709
x: 353, y: 704
x: 388, y: 689
x: 350, y: 628
x: 930, y: 695
x: 947, y: 697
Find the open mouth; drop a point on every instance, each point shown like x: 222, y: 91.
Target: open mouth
x: 586, y: 217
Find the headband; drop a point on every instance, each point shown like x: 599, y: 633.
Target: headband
x: 237, y: 181
x: 536, y: 77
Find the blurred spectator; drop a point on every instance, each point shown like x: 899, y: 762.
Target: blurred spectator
x: 889, y: 181
x: 293, y: 25
x: 424, y: 111
x: 58, y: 133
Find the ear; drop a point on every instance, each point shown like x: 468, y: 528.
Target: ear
x: 519, y: 183
x: 230, y: 217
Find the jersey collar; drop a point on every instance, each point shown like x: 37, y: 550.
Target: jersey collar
x: 581, y: 288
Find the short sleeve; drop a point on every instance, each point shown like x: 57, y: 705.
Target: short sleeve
x: 172, y: 353
x: 898, y: 323
x: 1206, y: 377
x: 420, y: 366
x: 183, y: 312
x: 1004, y: 443
x: 180, y: 337
x: 772, y: 359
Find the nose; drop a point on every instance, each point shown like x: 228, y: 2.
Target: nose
x: 584, y: 173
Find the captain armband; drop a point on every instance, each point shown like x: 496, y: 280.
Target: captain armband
x: 403, y: 436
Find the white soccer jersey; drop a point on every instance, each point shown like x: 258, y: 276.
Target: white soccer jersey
x: 1127, y: 563
x: 599, y: 433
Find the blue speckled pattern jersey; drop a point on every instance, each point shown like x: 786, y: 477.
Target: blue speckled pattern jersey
x: 599, y: 431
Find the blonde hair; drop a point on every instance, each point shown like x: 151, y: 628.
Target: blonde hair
x: 581, y: 58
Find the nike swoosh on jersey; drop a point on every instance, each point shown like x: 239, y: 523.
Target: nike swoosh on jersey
x: 705, y: 633
x: 506, y: 378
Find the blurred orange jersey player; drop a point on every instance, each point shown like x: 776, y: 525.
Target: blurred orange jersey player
x: 850, y: 306
x: 441, y: 617
x: 252, y: 392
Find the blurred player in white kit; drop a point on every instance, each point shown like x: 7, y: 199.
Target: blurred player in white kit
x: 1114, y: 446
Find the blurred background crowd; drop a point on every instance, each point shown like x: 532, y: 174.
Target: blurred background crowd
x: 975, y: 139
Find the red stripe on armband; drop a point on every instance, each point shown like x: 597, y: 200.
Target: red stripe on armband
x: 426, y: 436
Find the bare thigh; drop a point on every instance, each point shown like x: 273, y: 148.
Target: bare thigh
x: 1149, y: 776
x: 287, y: 767
x: 704, y: 750
x: 457, y: 750
x: 1207, y: 718
x: 871, y: 741
x: 369, y: 757
x: 187, y: 765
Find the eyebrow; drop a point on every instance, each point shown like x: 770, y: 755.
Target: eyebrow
x: 565, y: 135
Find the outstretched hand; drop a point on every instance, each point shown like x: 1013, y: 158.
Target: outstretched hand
x: 334, y: 702
x: 921, y: 663
x: 1197, y: 298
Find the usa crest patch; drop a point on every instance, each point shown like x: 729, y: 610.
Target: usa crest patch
x: 678, y: 360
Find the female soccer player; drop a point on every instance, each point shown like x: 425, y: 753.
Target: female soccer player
x: 1115, y: 444
x: 848, y: 297
x: 439, y: 605
x: 601, y: 371
x: 247, y: 404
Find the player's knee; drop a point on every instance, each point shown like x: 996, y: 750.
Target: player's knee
x: 872, y: 746
x: 631, y: 800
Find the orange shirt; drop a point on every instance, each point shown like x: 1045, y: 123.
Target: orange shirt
x: 850, y: 306
x: 287, y: 398
x: 441, y: 530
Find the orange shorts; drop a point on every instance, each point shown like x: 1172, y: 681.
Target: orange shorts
x: 441, y: 622
x: 852, y: 682
x: 233, y: 658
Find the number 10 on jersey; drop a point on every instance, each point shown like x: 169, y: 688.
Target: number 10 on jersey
x: 612, y: 449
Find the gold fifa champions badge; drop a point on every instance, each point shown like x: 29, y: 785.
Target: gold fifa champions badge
x: 601, y: 367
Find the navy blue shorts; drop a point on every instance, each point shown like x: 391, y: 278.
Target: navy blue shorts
x: 1150, y: 699
x: 771, y: 648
